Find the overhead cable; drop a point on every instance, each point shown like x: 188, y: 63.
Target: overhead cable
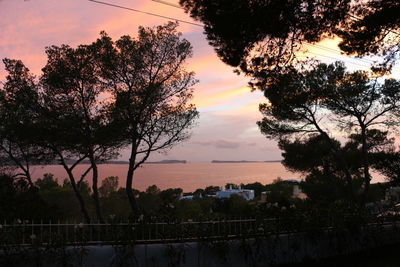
x: 144, y: 12
x: 363, y: 60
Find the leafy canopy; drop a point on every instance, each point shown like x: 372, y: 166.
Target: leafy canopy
x: 262, y: 37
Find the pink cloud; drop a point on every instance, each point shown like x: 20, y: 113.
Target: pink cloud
x: 27, y: 27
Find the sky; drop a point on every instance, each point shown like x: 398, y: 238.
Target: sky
x: 226, y: 129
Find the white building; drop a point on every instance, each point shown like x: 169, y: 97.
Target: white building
x: 189, y: 197
x: 227, y: 193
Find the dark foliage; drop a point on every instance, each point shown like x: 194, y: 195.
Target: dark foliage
x: 234, y: 28
x: 388, y: 164
x: 261, y: 37
x: 373, y: 30
x: 19, y: 200
x: 151, y: 89
x: 76, y: 120
x: 325, y: 99
x: 19, y: 113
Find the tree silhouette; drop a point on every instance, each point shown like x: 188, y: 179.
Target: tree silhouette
x: 262, y: 37
x: 373, y: 30
x: 77, y: 113
x: 152, y: 89
x: 96, y: 99
x: 19, y: 109
x: 108, y: 186
x: 327, y: 98
x: 324, y: 181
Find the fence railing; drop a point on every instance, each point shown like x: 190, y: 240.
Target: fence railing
x: 28, y: 233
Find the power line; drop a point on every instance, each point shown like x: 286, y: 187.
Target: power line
x: 200, y: 25
x: 144, y: 12
x: 324, y: 48
x: 314, y: 45
x: 167, y: 3
x: 351, y: 16
x: 350, y: 62
x: 368, y: 61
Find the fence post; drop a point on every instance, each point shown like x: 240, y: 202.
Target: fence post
x: 240, y: 225
x: 41, y: 231
x: 66, y: 231
x: 58, y: 227
x: 23, y: 233
x: 163, y: 229
x: 143, y: 230
x: 149, y: 226
x: 50, y: 232
x: 32, y: 232
x: 278, y: 225
x: 156, y: 229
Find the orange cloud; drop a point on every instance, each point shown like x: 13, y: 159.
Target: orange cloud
x: 27, y: 27
x: 214, y: 99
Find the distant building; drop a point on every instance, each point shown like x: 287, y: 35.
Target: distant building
x: 190, y: 197
x: 227, y: 193
x: 294, y: 185
x: 297, y: 193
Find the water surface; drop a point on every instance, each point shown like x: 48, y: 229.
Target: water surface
x: 189, y: 176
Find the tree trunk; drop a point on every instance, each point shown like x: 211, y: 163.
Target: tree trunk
x: 129, y: 192
x: 95, y: 189
x: 29, y: 179
x: 129, y: 181
x: 367, y: 176
x: 339, y: 156
x: 19, y: 164
x: 78, y: 195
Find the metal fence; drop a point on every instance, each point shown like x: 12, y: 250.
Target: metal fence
x: 28, y: 233
x: 138, y: 232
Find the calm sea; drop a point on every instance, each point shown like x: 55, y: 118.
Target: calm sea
x: 189, y: 176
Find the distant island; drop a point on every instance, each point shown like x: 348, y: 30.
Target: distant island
x: 117, y: 162
x: 166, y: 161
x: 234, y: 161
x: 242, y: 161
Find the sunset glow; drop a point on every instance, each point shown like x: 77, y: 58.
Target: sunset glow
x: 228, y: 110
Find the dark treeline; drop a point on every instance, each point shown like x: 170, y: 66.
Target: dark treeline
x: 54, y: 200
x: 92, y: 101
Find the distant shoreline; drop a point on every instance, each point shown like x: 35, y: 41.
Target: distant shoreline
x: 244, y: 161
x: 174, y: 161
x: 166, y: 161
x: 122, y: 162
